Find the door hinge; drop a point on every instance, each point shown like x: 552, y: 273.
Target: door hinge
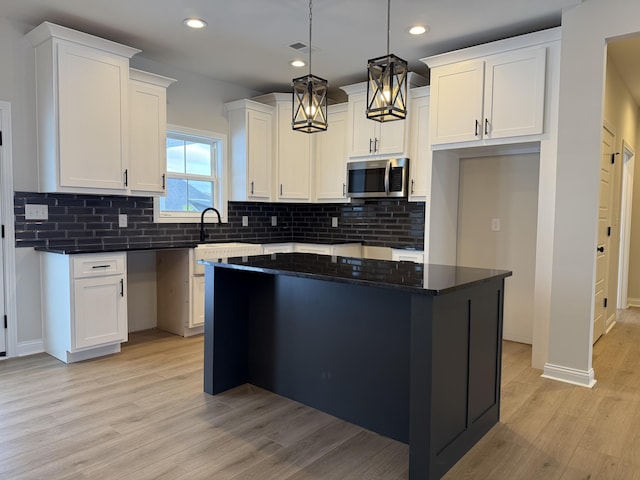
x: 608, y: 231
x: 605, y: 302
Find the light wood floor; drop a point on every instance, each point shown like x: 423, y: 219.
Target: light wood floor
x: 142, y: 414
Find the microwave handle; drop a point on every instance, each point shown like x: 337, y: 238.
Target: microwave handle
x: 387, y: 172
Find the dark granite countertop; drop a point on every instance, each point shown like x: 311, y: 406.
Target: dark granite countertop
x: 131, y: 247
x: 429, y: 279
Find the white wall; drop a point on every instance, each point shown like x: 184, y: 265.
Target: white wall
x: 194, y: 101
x: 504, y: 188
x: 586, y: 28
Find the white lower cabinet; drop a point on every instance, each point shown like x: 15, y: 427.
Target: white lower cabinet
x: 84, y: 304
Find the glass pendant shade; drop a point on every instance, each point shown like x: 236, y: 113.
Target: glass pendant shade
x: 309, y: 104
x: 387, y: 88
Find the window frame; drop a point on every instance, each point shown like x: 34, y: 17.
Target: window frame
x: 220, y: 181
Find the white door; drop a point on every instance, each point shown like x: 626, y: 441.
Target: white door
x: 3, y: 329
x: 602, y: 304
x: 259, y: 154
x: 628, y: 168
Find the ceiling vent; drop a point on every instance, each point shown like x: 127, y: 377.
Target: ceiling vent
x: 302, y: 47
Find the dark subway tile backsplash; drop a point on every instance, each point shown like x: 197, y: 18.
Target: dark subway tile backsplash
x: 78, y: 220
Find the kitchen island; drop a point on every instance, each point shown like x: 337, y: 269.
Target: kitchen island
x: 410, y: 351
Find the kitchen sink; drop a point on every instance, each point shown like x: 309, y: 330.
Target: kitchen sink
x: 221, y: 251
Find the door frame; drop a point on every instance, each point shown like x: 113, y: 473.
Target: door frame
x: 9, y: 247
x: 628, y: 166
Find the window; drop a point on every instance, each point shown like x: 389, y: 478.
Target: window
x: 196, y: 168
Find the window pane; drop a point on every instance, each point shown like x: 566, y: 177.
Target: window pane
x: 200, y: 194
x: 198, y: 158
x: 187, y: 195
x: 175, y: 155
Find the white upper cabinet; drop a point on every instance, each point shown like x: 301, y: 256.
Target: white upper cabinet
x: 293, y: 155
x: 251, y: 130
x: 492, y: 92
x: 420, y: 149
x: 365, y: 137
x: 148, y: 127
x: 82, y: 90
x: 331, y: 157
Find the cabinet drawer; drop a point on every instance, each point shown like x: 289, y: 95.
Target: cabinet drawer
x: 95, y: 265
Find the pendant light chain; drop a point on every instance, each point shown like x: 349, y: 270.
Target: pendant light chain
x: 388, y: 24
x: 310, y: 22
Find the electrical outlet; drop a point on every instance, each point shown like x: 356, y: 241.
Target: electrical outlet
x: 245, y: 221
x: 334, y: 222
x: 122, y: 220
x: 495, y: 224
x: 36, y: 212
x: 274, y: 221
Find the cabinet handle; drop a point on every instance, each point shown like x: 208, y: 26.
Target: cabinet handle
x: 344, y: 189
x: 164, y: 185
x: 371, y: 145
x: 486, y: 126
x: 126, y: 178
x: 122, y: 287
x: 477, y: 125
x: 412, y: 183
x: 280, y: 189
x: 101, y: 266
x: 251, y: 188
x: 375, y: 145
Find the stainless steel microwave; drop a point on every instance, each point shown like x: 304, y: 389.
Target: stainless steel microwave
x: 378, y: 178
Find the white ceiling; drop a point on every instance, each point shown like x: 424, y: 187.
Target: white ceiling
x: 246, y: 42
x: 625, y: 53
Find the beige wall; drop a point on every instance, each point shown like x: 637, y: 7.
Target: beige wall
x: 585, y: 30
x: 621, y: 113
x: 505, y: 188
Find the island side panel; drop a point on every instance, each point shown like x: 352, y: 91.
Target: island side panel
x: 340, y: 348
x: 465, y: 378
x: 226, y: 328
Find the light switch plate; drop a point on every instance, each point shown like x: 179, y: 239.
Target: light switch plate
x: 495, y: 224
x: 245, y: 221
x: 122, y: 220
x: 334, y: 222
x: 274, y: 221
x: 36, y: 212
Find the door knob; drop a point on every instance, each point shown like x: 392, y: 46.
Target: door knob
x: 601, y: 249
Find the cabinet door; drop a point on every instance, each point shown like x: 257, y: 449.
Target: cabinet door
x: 259, y: 155
x: 361, y: 130
x: 420, y: 157
x: 147, y: 141
x: 293, y: 157
x: 331, y: 159
x: 93, y: 117
x: 100, y: 311
x: 196, y: 318
x: 456, y: 102
x: 514, y: 93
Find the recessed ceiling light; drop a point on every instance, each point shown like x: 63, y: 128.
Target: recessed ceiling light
x: 195, y: 22
x: 297, y: 63
x: 418, y: 29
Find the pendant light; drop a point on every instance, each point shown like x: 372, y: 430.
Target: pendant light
x: 309, y: 98
x: 387, y: 84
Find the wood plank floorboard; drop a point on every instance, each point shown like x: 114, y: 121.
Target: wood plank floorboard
x: 142, y: 414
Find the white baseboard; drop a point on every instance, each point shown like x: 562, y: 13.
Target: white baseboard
x: 30, y: 348
x: 573, y: 376
x: 633, y: 302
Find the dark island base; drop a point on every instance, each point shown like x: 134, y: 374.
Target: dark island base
x: 421, y: 369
